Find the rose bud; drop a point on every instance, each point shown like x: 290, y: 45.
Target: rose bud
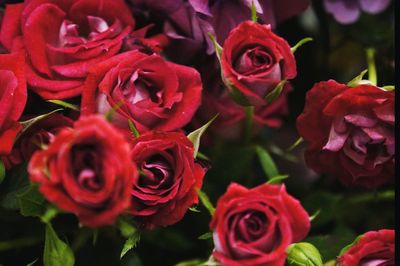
x: 39, y: 134
x: 169, y: 177
x: 86, y: 170
x: 349, y: 132
x: 303, y: 253
x: 254, y: 61
x: 375, y: 248
x: 59, y: 54
x: 255, y: 226
x: 145, y: 89
x: 12, y: 98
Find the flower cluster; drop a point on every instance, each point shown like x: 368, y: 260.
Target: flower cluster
x: 103, y: 105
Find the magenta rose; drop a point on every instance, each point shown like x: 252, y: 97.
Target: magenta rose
x: 86, y: 170
x: 349, y: 132
x: 374, y: 248
x: 254, y: 61
x: 81, y: 33
x: 168, y: 180
x: 12, y: 98
x: 147, y: 90
x: 255, y: 226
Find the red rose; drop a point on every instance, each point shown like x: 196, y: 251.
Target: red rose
x: 87, y: 171
x: 64, y: 38
x: 255, y: 226
x: 152, y: 93
x: 254, y: 60
x: 168, y: 180
x: 350, y: 132
x: 39, y: 134
x: 12, y: 98
x: 374, y: 248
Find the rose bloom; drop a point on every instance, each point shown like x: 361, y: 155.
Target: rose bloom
x: 254, y: 60
x: 255, y: 226
x: 169, y: 177
x: 40, y: 133
x: 349, y: 132
x: 145, y: 89
x: 12, y: 98
x: 81, y: 33
x: 374, y: 248
x: 86, y: 170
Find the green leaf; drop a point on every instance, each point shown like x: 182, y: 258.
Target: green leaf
x: 294, y: 145
x: 15, y: 183
x: 2, y: 171
x: 65, y: 104
x: 133, y: 129
x: 32, y: 263
x: 343, y: 250
x: 194, y: 209
x: 202, y: 156
x: 28, y: 123
x: 253, y: 12
x: 130, y: 243
x: 206, y: 201
x: 31, y: 202
x: 267, y: 162
x: 56, y: 252
x: 301, y: 43
x: 389, y: 88
x: 312, y: 217
x: 303, y: 253
x: 218, y: 48
x: 273, y: 95
x: 206, y: 236
x: 130, y: 232
x: 195, y: 136
x: 95, y: 236
x: 357, y: 80
x: 277, y: 179
x: 194, y: 262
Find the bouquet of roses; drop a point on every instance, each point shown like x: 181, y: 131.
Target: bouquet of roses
x: 189, y: 132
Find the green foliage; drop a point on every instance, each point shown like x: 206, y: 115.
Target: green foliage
x: 56, y: 252
x: 276, y: 92
x: 195, y: 136
x: 277, y: 179
x: 358, y: 80
x: 65, y: 104
x: 14, y: 184
x: 133, y: 129
x: 206, y: 236
x: 31, y: 202
x: 303, y: 254
x: 267, y: 162
x: 130, y: 232
x: 301, y: 43
x: 2, y: 171
x: 206, y: 201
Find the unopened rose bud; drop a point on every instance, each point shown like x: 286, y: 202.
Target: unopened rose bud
x: 300, y: 254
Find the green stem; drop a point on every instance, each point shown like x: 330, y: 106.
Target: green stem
x: 249, y: 112
x: 372, y: 197
x: 371, y: 66
x: 19, y: 243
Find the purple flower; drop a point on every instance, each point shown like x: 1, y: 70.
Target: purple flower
x: 348, y: 11
x: 227, y: 14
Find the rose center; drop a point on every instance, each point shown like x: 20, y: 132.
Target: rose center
x: 253, y: 61
x: 251, y: 226
x: 156, y: 173
x: 73, y: 34
x: 138, y: 88
x: 86, y: 166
